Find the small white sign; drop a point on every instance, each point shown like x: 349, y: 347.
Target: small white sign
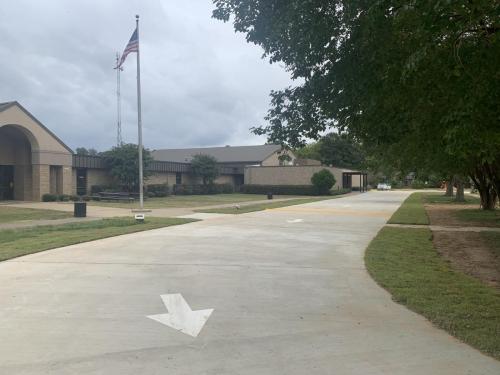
x: 139, y: 217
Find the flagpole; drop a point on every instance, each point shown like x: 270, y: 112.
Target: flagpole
x: 139, y: 119
x: 119, y: 140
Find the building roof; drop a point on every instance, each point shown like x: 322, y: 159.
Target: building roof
x: 7, y: 105
x: 227, y: 154
x: 4, y: 106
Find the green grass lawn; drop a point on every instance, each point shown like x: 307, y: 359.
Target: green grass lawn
x: 442, y: 199
x: 18, y: 242
x: 404, y: 261
x: 412, y: 211
x: 11, y: 214
x: 263, y: 206
x: 480, y: 217
x: 189, y: 201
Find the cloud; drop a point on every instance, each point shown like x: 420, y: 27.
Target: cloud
x: 202, y: 84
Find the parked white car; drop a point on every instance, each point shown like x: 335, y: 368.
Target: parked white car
x: 383, y: 187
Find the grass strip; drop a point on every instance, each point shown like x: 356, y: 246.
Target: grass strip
x: 12, y: 214
x: 412, y: 211
x: 262, y: 206
x: 18, y: 242
x: 440, y: 198
x: 404, y: 262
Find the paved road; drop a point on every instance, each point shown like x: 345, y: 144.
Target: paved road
x: 289, y: 289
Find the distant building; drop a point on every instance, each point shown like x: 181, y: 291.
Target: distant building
x: 34, y: 161
x: 232, y: 161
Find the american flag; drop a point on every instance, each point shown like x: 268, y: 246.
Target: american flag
x: 132, y: 46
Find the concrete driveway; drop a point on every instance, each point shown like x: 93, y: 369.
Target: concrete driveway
x: 288, y: 287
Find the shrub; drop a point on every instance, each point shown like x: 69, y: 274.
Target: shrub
x: 417, y: 184
x: 396, y: 184
x: 86, y: 198
x: 226, y: 188
x: 49, y: 197
x: 158, y: 190
x: 74, y: 198
x: 63, y: 197
x: 323, y: 181
x: 150, y: 194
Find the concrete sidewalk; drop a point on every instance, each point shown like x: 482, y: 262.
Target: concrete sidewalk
x: 289, y: 290
x: 107, y: 212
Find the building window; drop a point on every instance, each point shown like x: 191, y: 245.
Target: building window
x: 178, y: 178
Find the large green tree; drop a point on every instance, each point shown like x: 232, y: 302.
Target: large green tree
x: 417, y: 82
x: 123, y: 162
x: 338, y: 150
x: 86, y: 152
x: 205, y: 167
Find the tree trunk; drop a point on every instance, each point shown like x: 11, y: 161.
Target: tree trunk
x: 488, y: 200
x: 460, y: 197
x: 485, y: 188
x: 449, y: 188
x: 493, y: 174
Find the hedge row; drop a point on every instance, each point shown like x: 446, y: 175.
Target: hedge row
x: 158, y: 190
x: 287, y: 190
x: 164, y: 190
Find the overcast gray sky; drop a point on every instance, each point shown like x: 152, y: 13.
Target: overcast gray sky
x: 202, y: 84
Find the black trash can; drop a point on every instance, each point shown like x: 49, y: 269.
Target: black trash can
x: 80, y: 209
x: 269, y: 195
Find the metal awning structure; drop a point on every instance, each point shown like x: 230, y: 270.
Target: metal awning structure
x: 347, y: 181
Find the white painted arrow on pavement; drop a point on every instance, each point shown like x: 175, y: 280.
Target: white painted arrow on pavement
x: 180, y: 316
x: 295, y: 221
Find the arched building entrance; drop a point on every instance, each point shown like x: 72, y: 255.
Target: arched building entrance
x: 33, y: 161
x: 15, y: 163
